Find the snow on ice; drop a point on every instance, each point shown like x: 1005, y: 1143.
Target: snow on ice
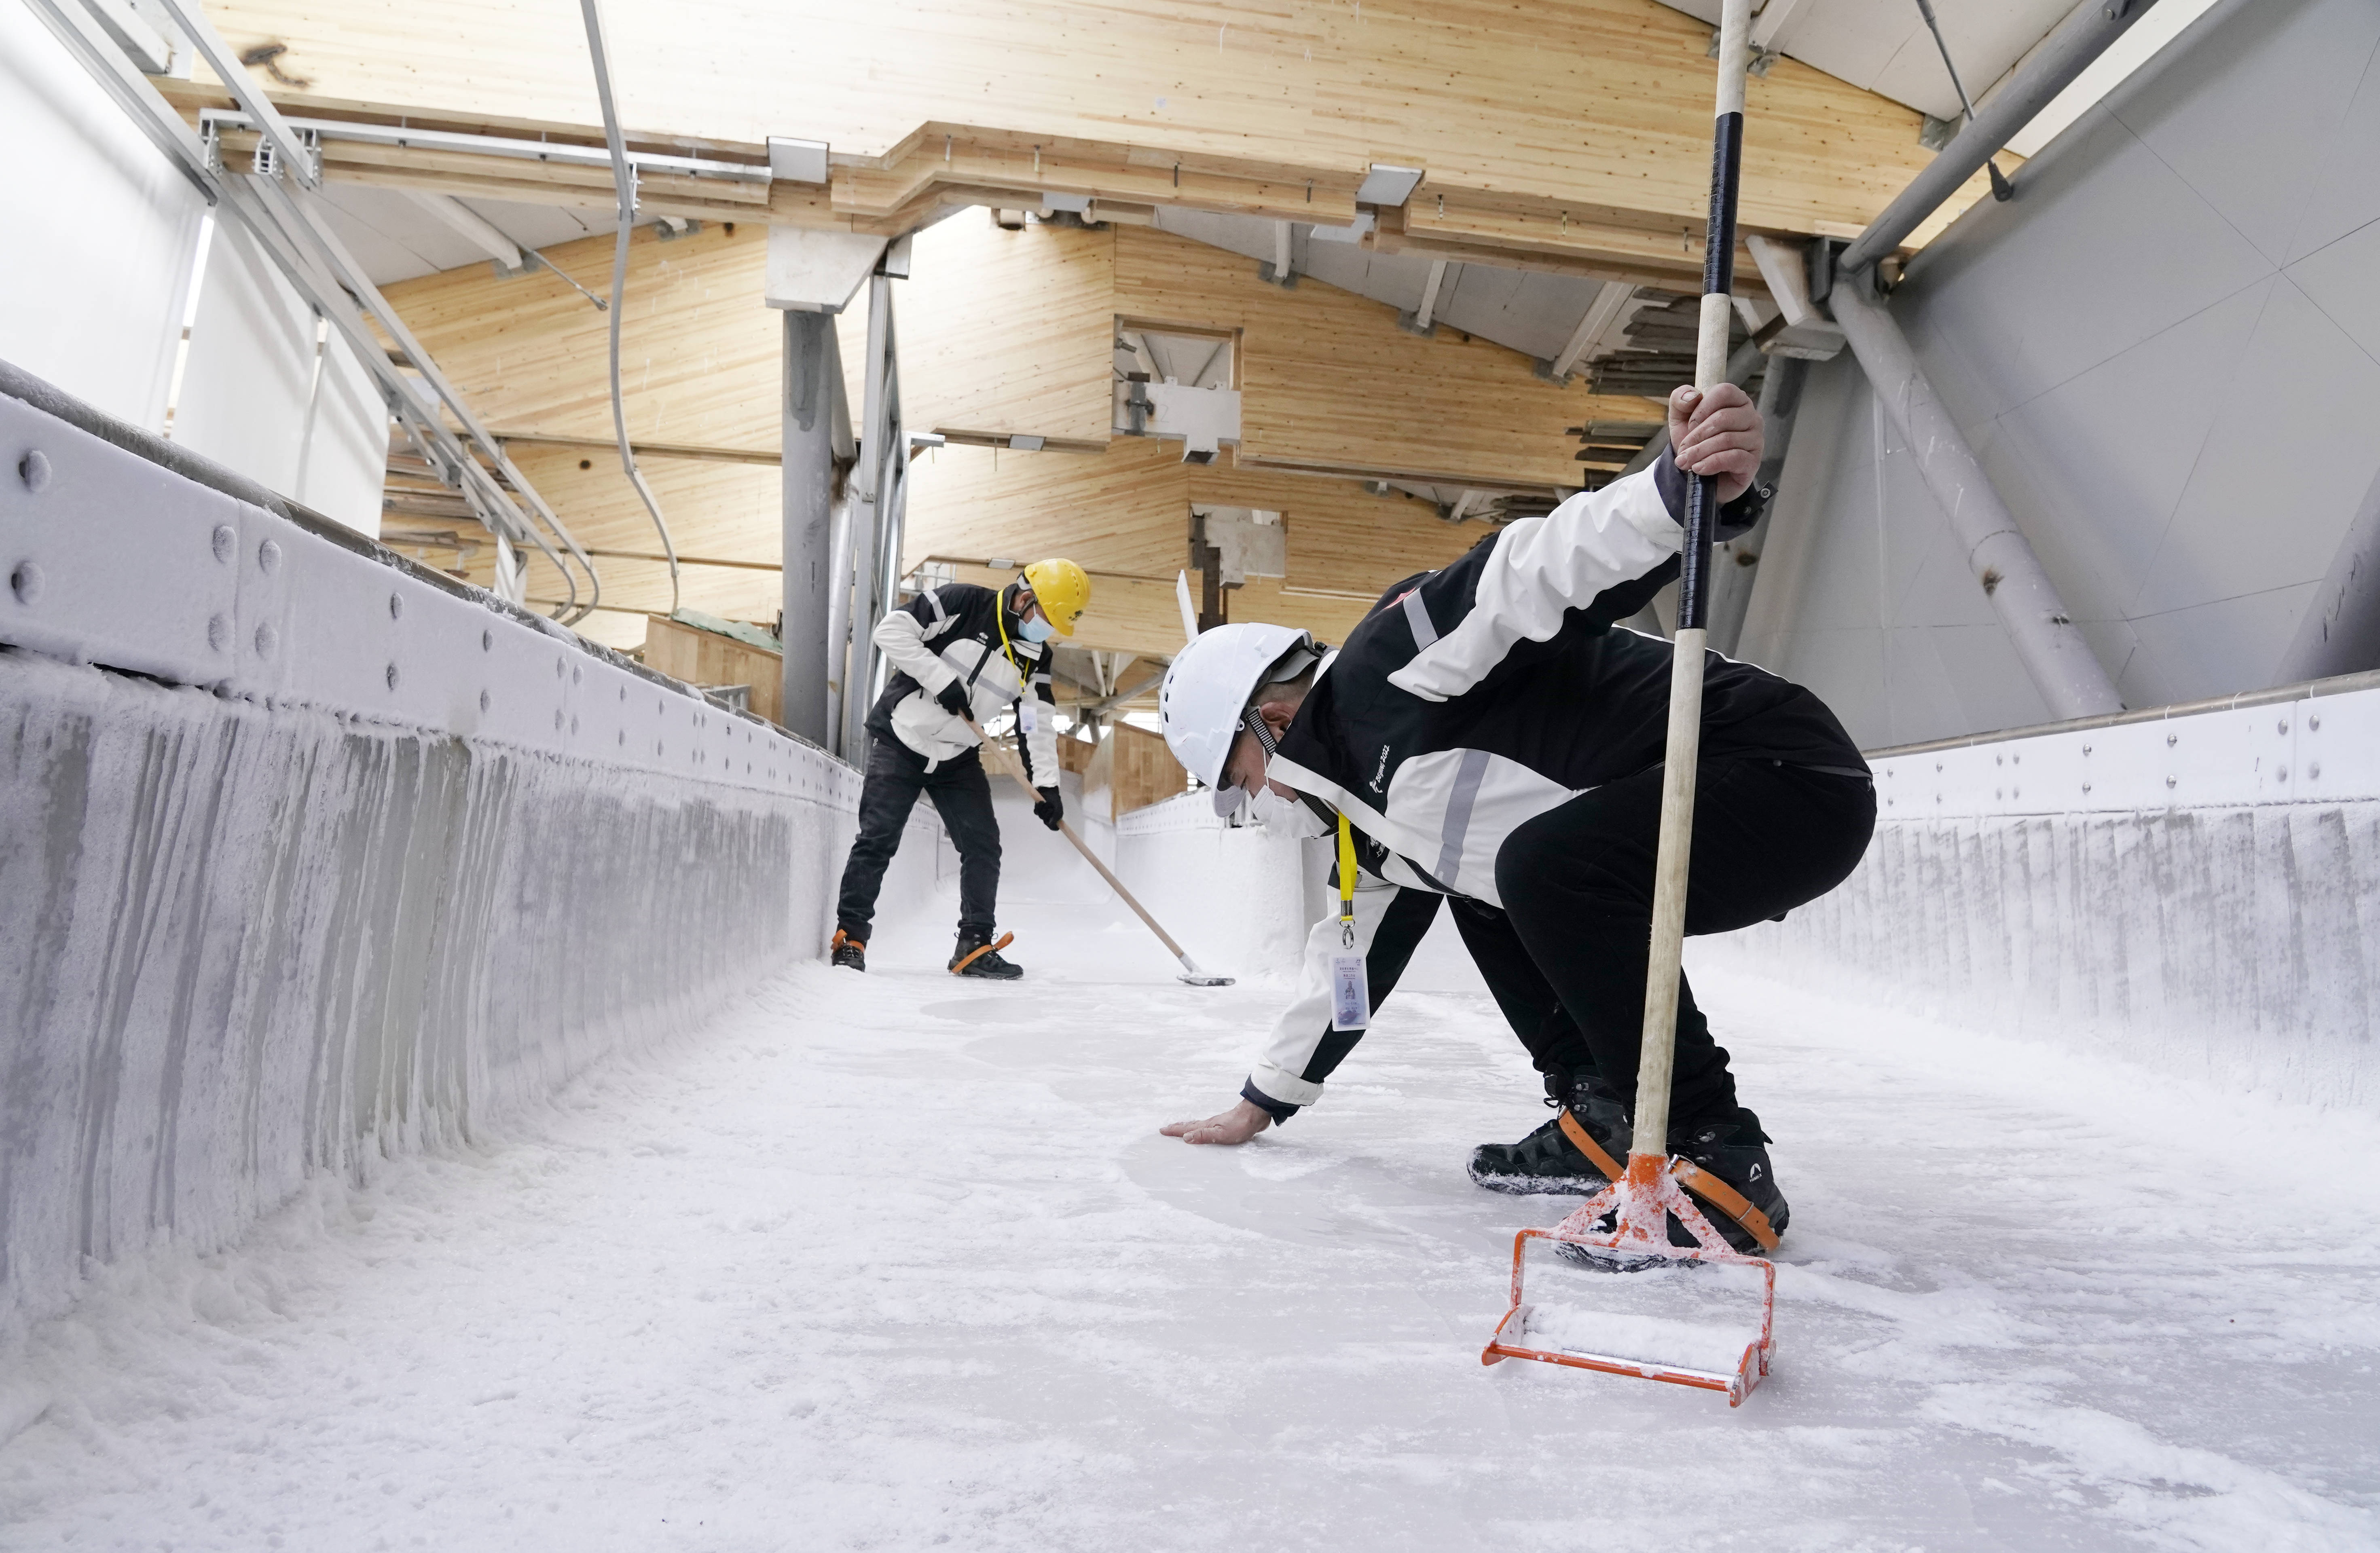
x: 896, y: 1262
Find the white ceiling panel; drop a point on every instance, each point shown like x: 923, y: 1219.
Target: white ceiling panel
x: 1882, y: 46
x: 396, y: 239
x: 542, y: 226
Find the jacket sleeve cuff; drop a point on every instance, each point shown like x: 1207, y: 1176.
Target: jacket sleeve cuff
x: 1735, y: 519
x: 1670, y: 482
x: 1280, y: 1111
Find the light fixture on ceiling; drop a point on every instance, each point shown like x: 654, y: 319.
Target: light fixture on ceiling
x: 1388, y: 185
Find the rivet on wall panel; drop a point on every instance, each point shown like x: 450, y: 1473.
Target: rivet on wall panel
x: 557, y: 720
x: 219, y: 631
x: 224, y: 541
x: 2282, y: 727
x: 2314, y: 724
x: 573, y: 675
x: 486, y: 641
x: 392, y: 676
x: 395, y: 606
x: 267, y: 638
x: 483, y: 700
x: 34, y: 470
x: 268, y: 557
x: 26, y: 582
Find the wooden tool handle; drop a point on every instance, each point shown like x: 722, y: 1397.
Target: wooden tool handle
x: 1665, y: 965
x: 1009, y: 763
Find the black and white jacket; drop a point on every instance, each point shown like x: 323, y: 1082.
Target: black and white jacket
x: 1474, y: 698
x: 955, y: 633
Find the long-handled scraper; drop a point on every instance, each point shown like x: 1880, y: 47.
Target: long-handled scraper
x: 1190, y: 971
x: 1627, y: 1224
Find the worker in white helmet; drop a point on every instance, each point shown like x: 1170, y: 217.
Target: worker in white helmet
x: 961, y: 655
x: 1490, y: 738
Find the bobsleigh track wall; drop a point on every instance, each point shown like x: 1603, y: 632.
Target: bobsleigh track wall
x: 2195, y: 889
x: 308, y: 855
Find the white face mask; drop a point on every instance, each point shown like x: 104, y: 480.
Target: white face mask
x: 1285, y: 816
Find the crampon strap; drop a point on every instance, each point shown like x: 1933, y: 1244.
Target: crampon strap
x: 1690, y: 1176
x: 981, y: 950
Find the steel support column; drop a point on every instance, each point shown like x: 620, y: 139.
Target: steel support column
x: 2058, y: 660
x: 2083, y: 37
x: 2340, y: 632
x: 857, y: 668
x: 1735, y: 567
x: 813, y: 378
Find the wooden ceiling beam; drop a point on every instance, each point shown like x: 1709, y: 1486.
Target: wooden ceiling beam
x: 1517, y: 116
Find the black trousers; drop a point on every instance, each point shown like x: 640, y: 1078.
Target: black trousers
x: 1565, y: 958
x: 961, y: 796
x: 1577, y: 883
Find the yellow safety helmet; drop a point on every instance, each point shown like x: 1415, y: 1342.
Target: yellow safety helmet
x: 1063, y: 589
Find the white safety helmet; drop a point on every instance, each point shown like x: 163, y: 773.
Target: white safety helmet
x: 1209, y: 686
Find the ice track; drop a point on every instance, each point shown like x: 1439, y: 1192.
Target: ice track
x: 897, y: 1262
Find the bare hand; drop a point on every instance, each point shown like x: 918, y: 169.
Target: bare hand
x: 1238, y: 1125
x: 1716, y: 433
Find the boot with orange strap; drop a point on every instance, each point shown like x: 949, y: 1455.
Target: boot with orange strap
x: 1725, y: 1164
x: 976, y: 955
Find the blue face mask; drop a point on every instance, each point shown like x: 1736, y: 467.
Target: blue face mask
x: 1034, y: 630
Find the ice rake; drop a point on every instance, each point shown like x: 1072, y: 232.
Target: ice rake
x: 1641, y: 1199
x: 1190, y: 971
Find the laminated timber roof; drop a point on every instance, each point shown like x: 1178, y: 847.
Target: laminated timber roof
x: 1572, y: 135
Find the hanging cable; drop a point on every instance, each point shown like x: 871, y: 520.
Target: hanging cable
x: 623, y: 180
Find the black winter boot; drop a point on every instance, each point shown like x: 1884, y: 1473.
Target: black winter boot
x: 987, y: 964
x: 848, y: 951
x: 1547, y: 1161
x: 1735, y: 1151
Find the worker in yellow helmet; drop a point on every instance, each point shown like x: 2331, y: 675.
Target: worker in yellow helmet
x: 959, y: 654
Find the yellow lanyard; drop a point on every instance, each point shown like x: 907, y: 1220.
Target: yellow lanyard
x: 1346, y: 883
x: 1000, y: 618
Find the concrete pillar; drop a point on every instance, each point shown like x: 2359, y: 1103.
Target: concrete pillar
x: 1998, y: 556
x: 813, y: 378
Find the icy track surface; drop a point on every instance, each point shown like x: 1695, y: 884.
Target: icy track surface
x: 900, y: 1262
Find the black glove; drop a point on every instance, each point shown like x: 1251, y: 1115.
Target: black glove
x: 953, y: 699
x: 1051, y: 809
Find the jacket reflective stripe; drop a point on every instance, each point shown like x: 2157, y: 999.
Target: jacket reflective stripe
x: 1543, y: 567
x: 1418, y: 616
x: 1458, y: 815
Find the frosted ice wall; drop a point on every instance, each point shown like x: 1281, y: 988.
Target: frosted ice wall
x: 2198, y: 893
x: 307, y: 856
